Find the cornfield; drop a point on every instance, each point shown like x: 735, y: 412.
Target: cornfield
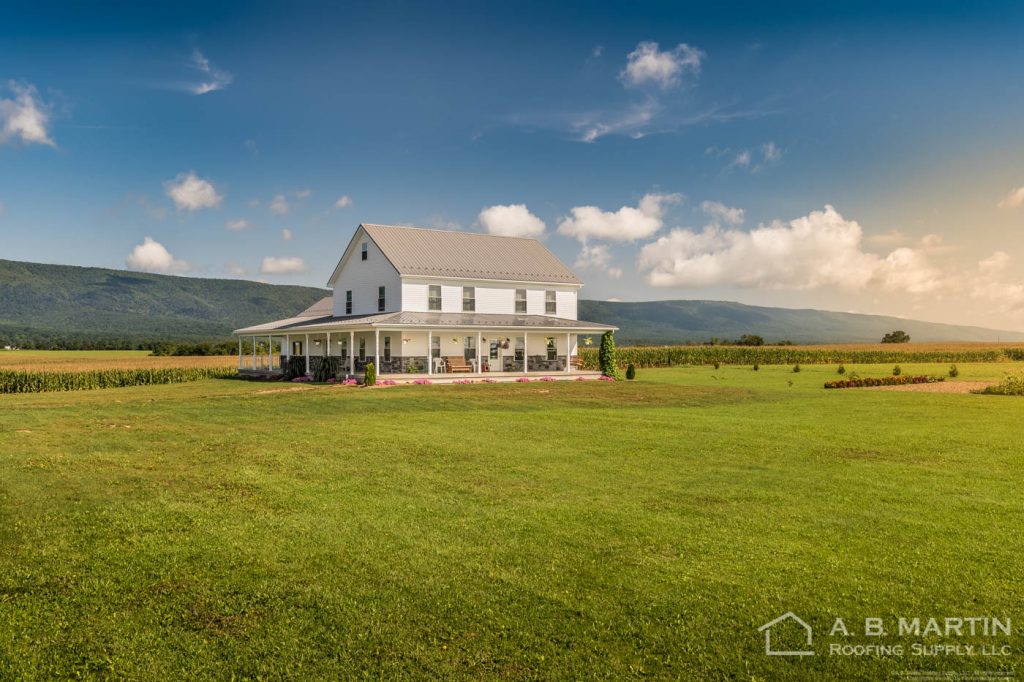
x: 667, y: 356
x: 16, y: 381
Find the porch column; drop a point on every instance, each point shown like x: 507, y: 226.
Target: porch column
x: 376, y: 350
x: 430, y: 351
x: 270, y: 352
x: 351, y: 352
x: 526, y: 352
x: 479, y: 354
x: 239, y: 353
x: 254, y: 352
x: 568, y: 352
x: 306, y: 348
x: 327, y: 352
x: 287, y: 342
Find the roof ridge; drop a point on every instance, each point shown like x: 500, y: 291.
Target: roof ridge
x: 437, y: 229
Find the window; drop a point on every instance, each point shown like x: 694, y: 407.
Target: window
x: 552, y: 348
x: 366, y: 252
x: 520, y: 300
x: 435, y: 347
x: 468, y: 299
x: 344, y: 347
x: 380, y: 299
x: 550, y: 303
x: 348, y: 302
x: 434, y: 297
x: 296, y: 347
x: 520, y: 349
x: 494, y: 350
x: 470, y: 348
x: 387, y: 349
x: 362, y: 349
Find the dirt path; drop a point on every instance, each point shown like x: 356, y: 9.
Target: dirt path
x: 939, y: 387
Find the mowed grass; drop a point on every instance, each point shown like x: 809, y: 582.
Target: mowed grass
x: 542, y: 530
x: 84, y: 360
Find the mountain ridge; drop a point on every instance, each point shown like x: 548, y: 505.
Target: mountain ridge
x: 69, y: 306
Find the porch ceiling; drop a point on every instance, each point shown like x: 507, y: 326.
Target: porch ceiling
x: 427, y: 321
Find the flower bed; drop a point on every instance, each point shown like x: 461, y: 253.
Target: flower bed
x: 882, y: 381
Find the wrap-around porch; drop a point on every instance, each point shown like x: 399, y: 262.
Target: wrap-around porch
x: 412, y: 353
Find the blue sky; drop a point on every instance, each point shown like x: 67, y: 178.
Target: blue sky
x: 664, y: 150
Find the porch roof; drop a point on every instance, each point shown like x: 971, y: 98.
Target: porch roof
x: 418, y: 320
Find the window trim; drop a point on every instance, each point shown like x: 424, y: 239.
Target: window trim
x: 431, y: 299
x: 365, y: 251
x: 523, y: 300
x: 469, y: 304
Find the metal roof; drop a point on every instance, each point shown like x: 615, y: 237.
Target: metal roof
x: 426, y: 321
x: 468, y: 255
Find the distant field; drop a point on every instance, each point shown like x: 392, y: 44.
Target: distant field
x: 84, y: 360
x: 222, y: 529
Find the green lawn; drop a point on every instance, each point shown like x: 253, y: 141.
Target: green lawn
x: 543, y: 530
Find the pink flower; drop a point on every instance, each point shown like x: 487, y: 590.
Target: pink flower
x: 607, y: 378
x: 580, y: 379
x: 350, y: 382
x: 422, y: 382
x: 463, y: 381
x: 547, y: 378
x: 523, y: 380
x: 488, y: 381
x: 388, y: 382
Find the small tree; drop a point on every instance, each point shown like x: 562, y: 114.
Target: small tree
x: 896, y: 371
x: 606, y: 356
x: 841, y: 370
x: 898, y: 336
x: 756, y: 367
x: 953, y: 372
x: 750, y: 340
x: 371, y: 375
x: 630, y: 372
x: 796, y: 367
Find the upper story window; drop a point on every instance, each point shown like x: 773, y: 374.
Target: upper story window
x: 468, y: 299
x: 366, y: 251
x: 520, y: 300
x: 381, y: 299
x: 434, y: 297
x: 550, y: 303
x: 348, y: 302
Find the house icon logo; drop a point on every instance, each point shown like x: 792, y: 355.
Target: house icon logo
x: 767, y: 630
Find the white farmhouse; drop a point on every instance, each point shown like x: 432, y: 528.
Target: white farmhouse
x: 420, y: 302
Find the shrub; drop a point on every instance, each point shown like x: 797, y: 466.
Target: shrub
x: 841, y: 370
x: 894, y: 380
x: 295, y: 367
x: 325, y: 368
x: 717, y: 365
x: 750, y: 340
x: 796, y: 367
x: 896, y: 371
x: 1012, y: 384
x: 953, y: 371
x: 371, y: 375
x: 631, y: 372
x: 606, y: 355
x: 756, y: 367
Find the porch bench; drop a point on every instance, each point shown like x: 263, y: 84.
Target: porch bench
x: 457, y: 363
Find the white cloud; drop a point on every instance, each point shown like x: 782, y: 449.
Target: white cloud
x: 818, y: 250
x: 304, y: 193
x: 741, y: 160
x: 286, y: 234
x: 513, y: 220
x: 24, y: 117
x: 282, y: 265
x: 648, y: 64
x: 626, y: 224
x: 238, y: 225
x: 1015, y: 199
x: 152, y: 256
x: 754, y: 160
x: 213, y: 78
x: 189, y: 192
x: 997, y: 262
x: 597, y: 257
x: 235, y: 269
x: 279, y: 205
x: 721, y: 214
x: 344, y: 201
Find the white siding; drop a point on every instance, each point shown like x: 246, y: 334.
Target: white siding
x: 491, y: 297
x: 363, y: 277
